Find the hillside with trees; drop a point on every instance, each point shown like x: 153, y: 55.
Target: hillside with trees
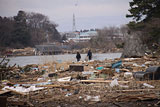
x: 27, y: 30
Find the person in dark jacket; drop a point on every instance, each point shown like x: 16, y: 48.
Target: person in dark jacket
x: 78, y: 56
x: 89, y: 55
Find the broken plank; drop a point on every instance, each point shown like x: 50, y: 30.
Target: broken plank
x: 30, y: 104
x: 138, y: 90
x: 102, y: 81
x: 57, y: 86
x: 5, y: 91
x: 16, y: 92
x: 150, y: 81
x: 18, y: 103
x: 140, y: 97
x: 125, y: 70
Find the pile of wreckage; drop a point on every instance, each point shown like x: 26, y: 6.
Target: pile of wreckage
x: 118, y: 82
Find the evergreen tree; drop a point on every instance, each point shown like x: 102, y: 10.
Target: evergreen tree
x: 146, y: 18
x: 64, y: 37
x: 21, y: 36
x: 144, y: 10
x: 6, y: 28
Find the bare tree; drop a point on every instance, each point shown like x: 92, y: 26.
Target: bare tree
x: 42, y: 28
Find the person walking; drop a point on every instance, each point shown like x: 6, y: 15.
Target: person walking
x: 78, y: 56
x: 89, y: 55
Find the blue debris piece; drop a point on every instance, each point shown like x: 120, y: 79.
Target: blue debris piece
x: 99, y: 68
x: 117, y: 64
x: 117, y: 70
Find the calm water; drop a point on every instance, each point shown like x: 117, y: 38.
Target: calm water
x: 24, y: 60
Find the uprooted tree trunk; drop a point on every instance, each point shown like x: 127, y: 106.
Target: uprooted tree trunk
x: 134, y: 47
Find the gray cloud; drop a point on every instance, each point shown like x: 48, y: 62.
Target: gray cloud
x: 89, y: 13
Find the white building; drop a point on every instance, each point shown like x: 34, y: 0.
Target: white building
x: 86, y: 36
x: 82, y: 36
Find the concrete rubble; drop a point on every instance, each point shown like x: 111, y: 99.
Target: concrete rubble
x: 85, y: 83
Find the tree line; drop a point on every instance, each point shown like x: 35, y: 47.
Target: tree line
x: 146, y: 20
x: 27, y: 29
x: 109, y: 37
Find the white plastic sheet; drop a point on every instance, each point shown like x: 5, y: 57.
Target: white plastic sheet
x: 22, y: 89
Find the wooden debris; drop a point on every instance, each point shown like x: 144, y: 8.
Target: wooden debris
x: 30, y: 104
x: 141, y: 97
x: 17, y: 103
x: 16, y: 92
x: 124, y: 70
x: 57, y: 86
x: 5, y: 91
x: 75, y: 67
x: 61, y: 93
x: 101, y: 81
x: 139, y: 90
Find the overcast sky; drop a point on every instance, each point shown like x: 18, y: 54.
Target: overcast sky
x: 89, y: 13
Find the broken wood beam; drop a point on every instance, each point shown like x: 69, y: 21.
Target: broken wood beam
x: 57, y: 86
x: 140, y: 97
x: 101, y: 81
x: 5, y: 91
x: 17, y: 103
x: 16, y: 92
x: 138, y: 90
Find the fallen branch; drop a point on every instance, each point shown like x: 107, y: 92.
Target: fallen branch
x: 3, y: 60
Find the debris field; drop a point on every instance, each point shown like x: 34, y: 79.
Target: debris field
x: 121, y: 82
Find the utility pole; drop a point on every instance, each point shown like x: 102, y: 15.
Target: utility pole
x: 74, y: 18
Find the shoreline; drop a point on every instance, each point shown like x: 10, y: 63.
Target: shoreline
x: 10, y: 56
x: 24, y: 60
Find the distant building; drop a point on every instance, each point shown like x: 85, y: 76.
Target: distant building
x: 81, y: 36
x: 86, y: 36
